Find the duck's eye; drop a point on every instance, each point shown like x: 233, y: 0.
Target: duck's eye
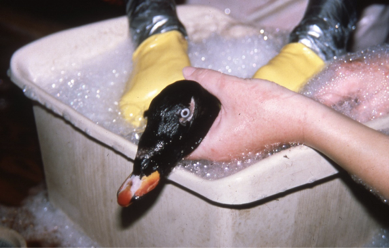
x: 185, y: 113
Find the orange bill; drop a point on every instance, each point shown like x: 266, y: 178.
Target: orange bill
x: 134, y: 187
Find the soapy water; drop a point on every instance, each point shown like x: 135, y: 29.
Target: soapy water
x: 43, y: 225
x: 215, y: 170
x: 94, y: 89
x: 239, y: 57
x: 380, y: 239
x: 356, y: 85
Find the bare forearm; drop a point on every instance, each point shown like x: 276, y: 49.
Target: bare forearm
x: 361, y: 151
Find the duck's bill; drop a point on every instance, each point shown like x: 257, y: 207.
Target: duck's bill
x: 135, y: 187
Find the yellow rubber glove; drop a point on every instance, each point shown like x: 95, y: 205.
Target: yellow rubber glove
x: 157, y: 62
x: 292, y: 67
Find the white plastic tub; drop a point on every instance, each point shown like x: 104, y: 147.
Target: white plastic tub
x: 293, y: 198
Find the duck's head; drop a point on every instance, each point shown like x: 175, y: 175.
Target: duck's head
x: 177, y: 121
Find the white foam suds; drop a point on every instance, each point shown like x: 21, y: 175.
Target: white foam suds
x: 356, y: 84
x: 95, y: 88
x: 238, y: 57
x: 215, y: 170
x: 43, y: 225
x: 380, y: 239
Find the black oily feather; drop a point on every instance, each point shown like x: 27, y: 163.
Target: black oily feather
x: 177, y: 121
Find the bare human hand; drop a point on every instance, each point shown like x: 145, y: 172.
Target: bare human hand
x: 254, y: 113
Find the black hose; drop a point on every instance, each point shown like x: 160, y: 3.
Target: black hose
x: 326, y: 27
x: 149, y: 17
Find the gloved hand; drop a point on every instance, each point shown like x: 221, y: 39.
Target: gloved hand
x: 159, y: 58
x: 157, y: 62
x: 322, y: 34
x: 292, y: 67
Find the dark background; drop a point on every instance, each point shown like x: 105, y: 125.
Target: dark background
x: 21, y: 22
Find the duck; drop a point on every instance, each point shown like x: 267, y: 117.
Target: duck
x: 178, y: 119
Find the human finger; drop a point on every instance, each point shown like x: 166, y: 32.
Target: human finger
x: 215, y: 82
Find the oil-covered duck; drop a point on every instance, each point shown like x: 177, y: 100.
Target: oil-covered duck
x: 177, y: 121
